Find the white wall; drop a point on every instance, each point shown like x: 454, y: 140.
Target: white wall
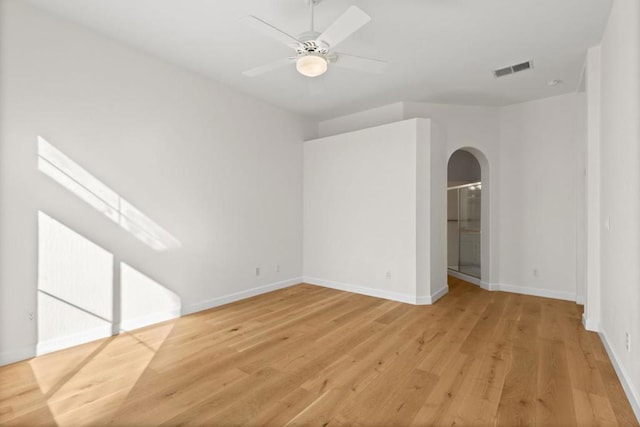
x: 218, y: 170
x: 619, y: 191
x: 360, y: 209
x: 462, y: 125
x: 539, y: 189
x: 370, y: 201
x: 362, y: 120
x: 592, y: 309
x: 459, y: 127
x: 550, y: 131
x: 436, y: 242
x: 475, y: 128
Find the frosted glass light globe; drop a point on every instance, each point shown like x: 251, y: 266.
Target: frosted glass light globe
x: 311, y: 65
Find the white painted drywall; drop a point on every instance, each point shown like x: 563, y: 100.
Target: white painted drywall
x: 462, y: 125
x: 360, y: 208
x: 553, y: 131
x: 436, y: 173
x: 220, y: 171
x: 458, y: 126
x: 475, y: 129
x: 592, y: 305
x: 374, y: 219
x: 540, y: 144
x: 620, y: 190
x: 362, y: 120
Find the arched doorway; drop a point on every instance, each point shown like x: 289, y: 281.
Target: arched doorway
x: 464, y: 216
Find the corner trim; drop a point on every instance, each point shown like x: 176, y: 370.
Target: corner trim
x: 13, y: 356
x: 487, y: 286
x: 237, y: 296
x: 362, y: 290
x: 590, y: 325
x: 629, y: 390
x: 431, y: 299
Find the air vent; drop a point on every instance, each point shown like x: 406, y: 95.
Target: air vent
x: 513, y: 69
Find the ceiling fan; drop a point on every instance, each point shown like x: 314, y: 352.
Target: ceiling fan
x: 313, y: 50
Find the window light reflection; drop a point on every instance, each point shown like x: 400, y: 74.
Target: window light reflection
x: 56, y: 165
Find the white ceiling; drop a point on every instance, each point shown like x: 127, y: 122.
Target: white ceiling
x: 438, y: 50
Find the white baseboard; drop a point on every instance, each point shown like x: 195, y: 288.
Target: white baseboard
x: 139, y: 322
x: 379, y: 293
x: 431, y: 299
x: 150, y: 319
x: 363, y: 290
x: 590, y: 324
x: 12, y: 356
x: 629, y: 389
x: 546, y: 293
x: 67, y: 341
x: 581, y: 299
x: 226, y: 299
x: 505, y: 287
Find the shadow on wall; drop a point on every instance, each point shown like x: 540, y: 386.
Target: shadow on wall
x: 84, y: 293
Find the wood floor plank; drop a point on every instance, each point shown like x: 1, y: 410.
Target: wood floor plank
x: 554, y: 401
x: 592, y: 410
x: 517, y: 400
x: 308, y: 355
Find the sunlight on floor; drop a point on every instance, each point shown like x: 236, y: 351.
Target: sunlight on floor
x: 82, y: 390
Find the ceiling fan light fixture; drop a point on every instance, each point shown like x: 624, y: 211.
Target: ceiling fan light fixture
x: 311, y: 65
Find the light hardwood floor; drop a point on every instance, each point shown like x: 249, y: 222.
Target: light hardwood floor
x: 308, y: 355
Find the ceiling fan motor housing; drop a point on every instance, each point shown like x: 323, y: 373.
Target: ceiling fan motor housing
x: 309, y: 45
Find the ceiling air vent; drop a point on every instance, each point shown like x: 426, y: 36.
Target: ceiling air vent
x: 513, y: 69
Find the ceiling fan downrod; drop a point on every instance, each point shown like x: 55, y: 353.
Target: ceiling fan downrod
x: 312, y: 5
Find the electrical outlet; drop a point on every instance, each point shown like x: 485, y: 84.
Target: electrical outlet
x: 388, y: 275
x: 257, y: 271
x: 627, y: 341
x: 535, y: 272
x: 31, y: 315
x: 277, y: 268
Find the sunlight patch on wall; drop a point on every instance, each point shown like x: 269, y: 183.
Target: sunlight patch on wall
x: 55, y: 164
x: 144, y: 301
x: 75, y: 287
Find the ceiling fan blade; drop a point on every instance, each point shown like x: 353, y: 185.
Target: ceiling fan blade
x: 271, y: 31
x: 267, y: 67
x: 368, y: 65
x: 348, y: 23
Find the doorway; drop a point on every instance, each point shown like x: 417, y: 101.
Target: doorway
x: 464, y: 214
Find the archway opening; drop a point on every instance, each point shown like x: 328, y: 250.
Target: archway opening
x: 464, y: 216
